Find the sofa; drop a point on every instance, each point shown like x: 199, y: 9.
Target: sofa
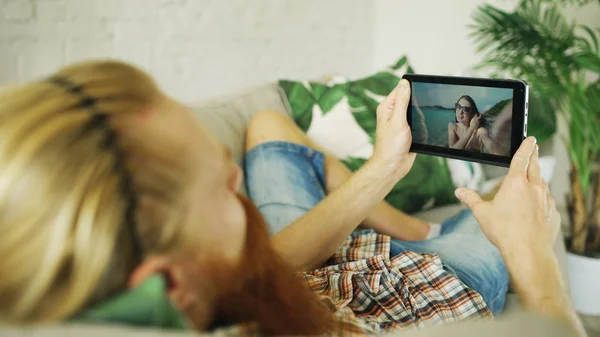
x: 227, y: 117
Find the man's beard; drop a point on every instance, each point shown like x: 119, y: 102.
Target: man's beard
x: 265, y: 290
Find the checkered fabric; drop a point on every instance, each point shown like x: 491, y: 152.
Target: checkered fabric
x: 372, y: 293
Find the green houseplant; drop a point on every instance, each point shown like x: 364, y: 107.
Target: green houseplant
x: 560, y: 60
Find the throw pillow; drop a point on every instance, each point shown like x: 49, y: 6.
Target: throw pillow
x: 340, y: 116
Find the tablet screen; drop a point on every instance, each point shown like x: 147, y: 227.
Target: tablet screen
x: 462, y: 117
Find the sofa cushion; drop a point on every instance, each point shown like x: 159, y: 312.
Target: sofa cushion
x: 340, y: 116
x: 227, y: 117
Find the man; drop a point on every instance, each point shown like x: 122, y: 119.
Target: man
x: 172, y: 230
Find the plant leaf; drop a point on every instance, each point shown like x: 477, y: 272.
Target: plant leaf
x: 588, y: 61
x: 318, y: 89
x: 592, y: 35
x: 331, y: 97
x: 542, y: 119
x: 354, y: 163
x: 381, y: 83
x: 400, y: 63
x: 301, y: 102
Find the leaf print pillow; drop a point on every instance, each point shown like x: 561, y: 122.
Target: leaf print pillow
x: 340, y: 116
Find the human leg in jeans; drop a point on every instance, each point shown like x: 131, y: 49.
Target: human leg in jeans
x: 287, y: 175
x: 268, y: 126
x: 468, y: 254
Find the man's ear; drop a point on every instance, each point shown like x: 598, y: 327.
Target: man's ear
x: 174, y: 271
x: 151, y: 266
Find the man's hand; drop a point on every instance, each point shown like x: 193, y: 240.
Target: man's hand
x: 523, y: 214
x: 522, y: 221
x: 393, y: 136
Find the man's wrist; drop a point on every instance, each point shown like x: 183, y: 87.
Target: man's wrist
x: 522, y: 252
x: 387, y: 170
x: 540, y: 287
x: 532, y: 270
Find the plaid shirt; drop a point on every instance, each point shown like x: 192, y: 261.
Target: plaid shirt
x: 372, y: 293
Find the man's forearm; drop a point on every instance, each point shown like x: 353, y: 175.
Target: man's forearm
x: 385, y: 219
x: 537, y: 280
x: 311, y: 240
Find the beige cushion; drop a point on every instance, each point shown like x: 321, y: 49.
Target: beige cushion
x: 521, y: 324
x: 4, y: 88
x: 227, y: 117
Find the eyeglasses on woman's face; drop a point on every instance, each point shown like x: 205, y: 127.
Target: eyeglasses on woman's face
x: 463, y: 108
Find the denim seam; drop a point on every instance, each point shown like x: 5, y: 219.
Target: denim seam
x: 320, y: 181
x: 280, y: 145
x: 284, y: 204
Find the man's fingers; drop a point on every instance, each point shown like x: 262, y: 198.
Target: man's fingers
x: 520, y: 162
x: 469, y: 197
x: 533, y: 170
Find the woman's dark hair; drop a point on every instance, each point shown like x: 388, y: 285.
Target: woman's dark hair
x: 482, y: 122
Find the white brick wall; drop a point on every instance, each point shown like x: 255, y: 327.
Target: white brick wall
x: 195, y: 48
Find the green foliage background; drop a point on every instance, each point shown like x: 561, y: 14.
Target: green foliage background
x: 560, y: 61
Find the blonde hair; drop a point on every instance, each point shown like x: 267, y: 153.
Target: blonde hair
x: 65, y: 241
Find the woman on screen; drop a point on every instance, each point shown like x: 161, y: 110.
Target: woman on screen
x: 469, y: 131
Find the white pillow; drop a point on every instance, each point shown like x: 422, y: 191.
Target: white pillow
x: 339, y: 133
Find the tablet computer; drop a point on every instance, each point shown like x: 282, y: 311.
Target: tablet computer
x: 476, y: 119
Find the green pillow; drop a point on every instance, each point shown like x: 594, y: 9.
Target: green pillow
x: 147, y: 305
x: 341, y: 117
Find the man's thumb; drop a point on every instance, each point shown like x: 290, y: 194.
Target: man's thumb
x: 468, y: 197
x: 402, y: 96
